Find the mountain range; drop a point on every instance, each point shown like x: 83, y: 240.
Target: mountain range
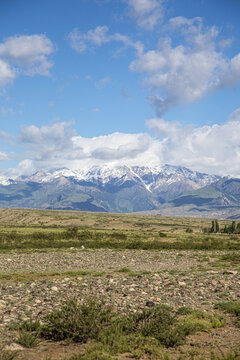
x: 169, y: 190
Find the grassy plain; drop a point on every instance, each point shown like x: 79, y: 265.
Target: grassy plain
x: 43, y: 229
x: 91, y: 330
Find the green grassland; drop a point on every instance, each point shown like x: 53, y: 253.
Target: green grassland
x: 44, y: 229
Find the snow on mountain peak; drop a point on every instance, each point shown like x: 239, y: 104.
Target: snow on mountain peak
x: 151, y: 177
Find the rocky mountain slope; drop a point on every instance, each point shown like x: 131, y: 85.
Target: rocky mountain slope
x: 220, y: 199
x: 115, y: 189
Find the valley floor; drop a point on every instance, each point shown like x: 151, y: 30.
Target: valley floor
x: 33, y: 283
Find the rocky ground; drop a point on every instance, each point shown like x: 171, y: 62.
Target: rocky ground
x: 129, y: 280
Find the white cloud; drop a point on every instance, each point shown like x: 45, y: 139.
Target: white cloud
x: 114, y: 147
x: 97, y: 37
x: 146, y: 12
x: 211, y: 149
x: 27, y: 54
x: 3, y: 156
x: 57, y: 146
x: 56, y: 133
x: 7, y: 74
x: 187, y: 72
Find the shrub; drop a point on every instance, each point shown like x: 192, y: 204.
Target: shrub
x: 77, y: 322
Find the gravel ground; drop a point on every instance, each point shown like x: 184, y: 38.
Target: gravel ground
x: 182, y: 282
x: 103, y: 260
x: 177, y: 278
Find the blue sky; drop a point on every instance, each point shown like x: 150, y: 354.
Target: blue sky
x: 117, y: 82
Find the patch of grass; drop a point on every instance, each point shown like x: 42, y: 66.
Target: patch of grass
x: 8, y: 355
x: 200, y: 320
x: 28, y: 325
x: 27, y: 339
x: 229, y: 356
x: 231, y: 307
x: 125, y: 270
x: 233, y: 259
x: 45, y: 238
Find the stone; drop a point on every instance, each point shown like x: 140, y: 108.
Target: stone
x: 14, y: 347
x: 150, y: 304
x: 230, y: 272
x: 54, y: 288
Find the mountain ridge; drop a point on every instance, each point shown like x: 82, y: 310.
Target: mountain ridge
x: 165, y: 188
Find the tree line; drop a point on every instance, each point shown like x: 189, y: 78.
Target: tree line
x: 233, y: 228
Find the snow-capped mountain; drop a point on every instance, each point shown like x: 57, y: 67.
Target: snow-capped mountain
x: 105, y: 188
x: 151, y: 177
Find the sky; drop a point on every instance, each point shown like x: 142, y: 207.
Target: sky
x: 119, y: 82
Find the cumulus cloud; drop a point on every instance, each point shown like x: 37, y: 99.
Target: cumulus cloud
x: 116, y: 146
x: 97, y: 37
x: 7, y: 74
x: 57, y: 145
x: 211, y: 149
x: 56, y: 133
x: 27, y: 54
x: 146, y: 12
x: 185, y: 73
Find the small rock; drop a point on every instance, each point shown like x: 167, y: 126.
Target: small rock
x: 150, y: 304
x: 14, y: 347
x: 230, y: 272
x: 54, y: 288
x: 2, y: 304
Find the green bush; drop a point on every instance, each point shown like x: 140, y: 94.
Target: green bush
x: 142, y: 333
x: 78, y: 322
